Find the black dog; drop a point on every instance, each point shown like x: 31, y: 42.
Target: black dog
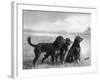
x: 61, y: 52
x: 64, y: 49
x: 49, y: 48
x: 74, y: 52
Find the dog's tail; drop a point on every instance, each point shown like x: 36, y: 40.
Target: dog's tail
x: 30, y: 43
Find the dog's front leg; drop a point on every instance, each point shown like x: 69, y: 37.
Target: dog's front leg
x: 56, y: 58
x: 52, y: 59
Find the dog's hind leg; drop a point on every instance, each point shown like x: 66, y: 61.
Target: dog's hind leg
x: 37, y: 55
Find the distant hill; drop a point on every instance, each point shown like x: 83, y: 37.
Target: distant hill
x: 88, y: 31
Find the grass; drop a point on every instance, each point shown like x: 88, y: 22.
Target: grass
x: 47, y: 64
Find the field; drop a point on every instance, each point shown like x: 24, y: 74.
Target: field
x: 28, y: 51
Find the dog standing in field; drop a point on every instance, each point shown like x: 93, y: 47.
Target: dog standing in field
x: 49, y: 48
x: 64, y: 49
x: 74, y: 51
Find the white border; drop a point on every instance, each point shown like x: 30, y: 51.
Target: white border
x: 17, y: 69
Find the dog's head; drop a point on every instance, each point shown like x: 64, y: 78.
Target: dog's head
x: 68, y: 42
x: 59, y: 41
x: 78, y: 39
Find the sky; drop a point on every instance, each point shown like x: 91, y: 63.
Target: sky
x: 51, y: 21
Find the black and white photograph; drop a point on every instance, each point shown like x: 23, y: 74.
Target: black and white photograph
x: 54, y: 39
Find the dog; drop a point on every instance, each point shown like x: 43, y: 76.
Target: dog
x: 74, y: 51
x: 61, y: 52
x: 64, y: 49
x: 48, y: 48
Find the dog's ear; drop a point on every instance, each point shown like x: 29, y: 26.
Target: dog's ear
x: 59, y: 40
x: 68, y: 41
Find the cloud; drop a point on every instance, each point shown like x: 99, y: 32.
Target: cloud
x: 72, y: 24
x: 79, y: 23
